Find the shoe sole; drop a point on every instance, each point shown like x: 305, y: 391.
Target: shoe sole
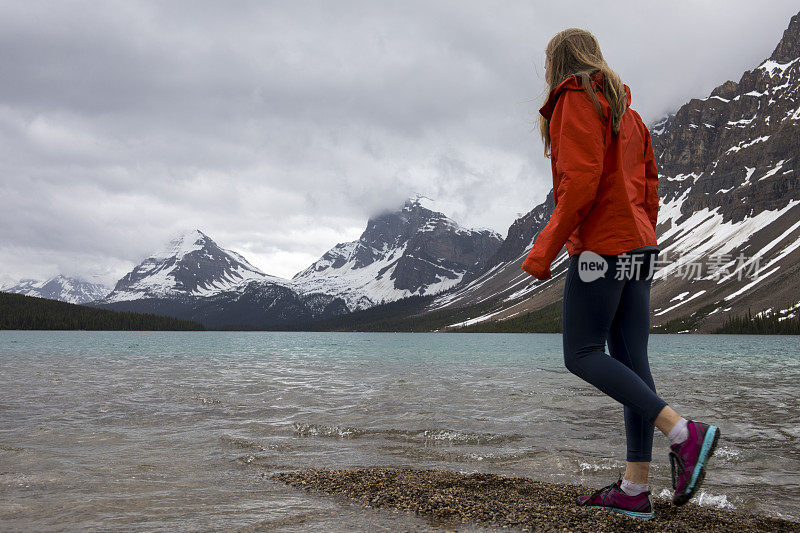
x: 699, y: 474
x: 633, y: 514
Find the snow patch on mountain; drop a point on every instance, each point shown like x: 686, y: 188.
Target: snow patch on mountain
x: 705, y: 233
x: 363, y: 286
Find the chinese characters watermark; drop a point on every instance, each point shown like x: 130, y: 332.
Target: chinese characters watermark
x: 717, y: 267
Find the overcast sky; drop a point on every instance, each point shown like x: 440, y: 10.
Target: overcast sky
x: 278, y: 128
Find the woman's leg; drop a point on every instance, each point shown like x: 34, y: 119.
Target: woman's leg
x: 588, y: 311
x: 627, y: 343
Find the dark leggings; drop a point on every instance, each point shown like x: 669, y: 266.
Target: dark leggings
x: 616, y: 311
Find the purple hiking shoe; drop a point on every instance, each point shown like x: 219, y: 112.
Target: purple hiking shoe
x: 612, y: 497
x: 688, y: 460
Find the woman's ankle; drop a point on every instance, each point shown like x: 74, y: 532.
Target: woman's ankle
x: 666, y: 420
x: 637, y: 472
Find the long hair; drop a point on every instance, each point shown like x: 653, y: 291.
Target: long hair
x: 576, y: 52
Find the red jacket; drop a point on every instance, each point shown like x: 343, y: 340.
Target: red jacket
x: 605, y: 185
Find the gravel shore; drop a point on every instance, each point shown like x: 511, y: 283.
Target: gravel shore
x: 449, y: 499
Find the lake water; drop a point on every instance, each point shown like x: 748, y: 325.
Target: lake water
x: 160, y: 430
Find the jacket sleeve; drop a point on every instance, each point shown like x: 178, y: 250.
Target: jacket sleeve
x: 651, y: 181
x: 577, y: 137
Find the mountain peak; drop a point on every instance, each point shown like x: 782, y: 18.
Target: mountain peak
x: 184, y: 243
x: 789, y: 46
x: 419, y: 200
x: 192, y: 264
x: 415, y: 249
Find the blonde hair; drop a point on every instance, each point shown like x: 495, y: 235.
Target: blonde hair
x: 576, y: 52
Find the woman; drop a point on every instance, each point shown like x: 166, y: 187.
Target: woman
x: 605, y: 185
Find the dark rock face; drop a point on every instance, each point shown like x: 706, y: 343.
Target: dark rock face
x: 737, y: 149
x: 434, y: 246
x: 789, y: 46
x: 437, y: 250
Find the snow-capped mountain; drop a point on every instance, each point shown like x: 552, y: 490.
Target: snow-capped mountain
x: 411, y: 251
x: 192, y: 264
x: 729, y: 184
x: 196, y: 279
x: 66, y: 289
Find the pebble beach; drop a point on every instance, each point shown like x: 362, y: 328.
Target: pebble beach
x: 454, y: 501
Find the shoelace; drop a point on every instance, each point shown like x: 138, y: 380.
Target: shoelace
x: 676, y: 468
x: 605, y: 490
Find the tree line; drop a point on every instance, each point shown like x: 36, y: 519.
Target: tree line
x: 763, y: 324
x: 18, y: 311
x: 408, y: 315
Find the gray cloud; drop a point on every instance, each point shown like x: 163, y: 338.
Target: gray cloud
x: 278, y: 128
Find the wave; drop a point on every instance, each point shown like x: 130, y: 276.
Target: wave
x: 594, y: 467
x: 421, y: 436
x: 244, y: 444
x: 705, y: 499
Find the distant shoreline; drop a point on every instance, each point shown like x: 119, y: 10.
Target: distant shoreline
x: 21, y: 312
x: 359, y: 331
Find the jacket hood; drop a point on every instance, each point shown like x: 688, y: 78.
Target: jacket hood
x: 573, y: 83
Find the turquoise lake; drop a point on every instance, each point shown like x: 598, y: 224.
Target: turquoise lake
x: 153, y: 431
